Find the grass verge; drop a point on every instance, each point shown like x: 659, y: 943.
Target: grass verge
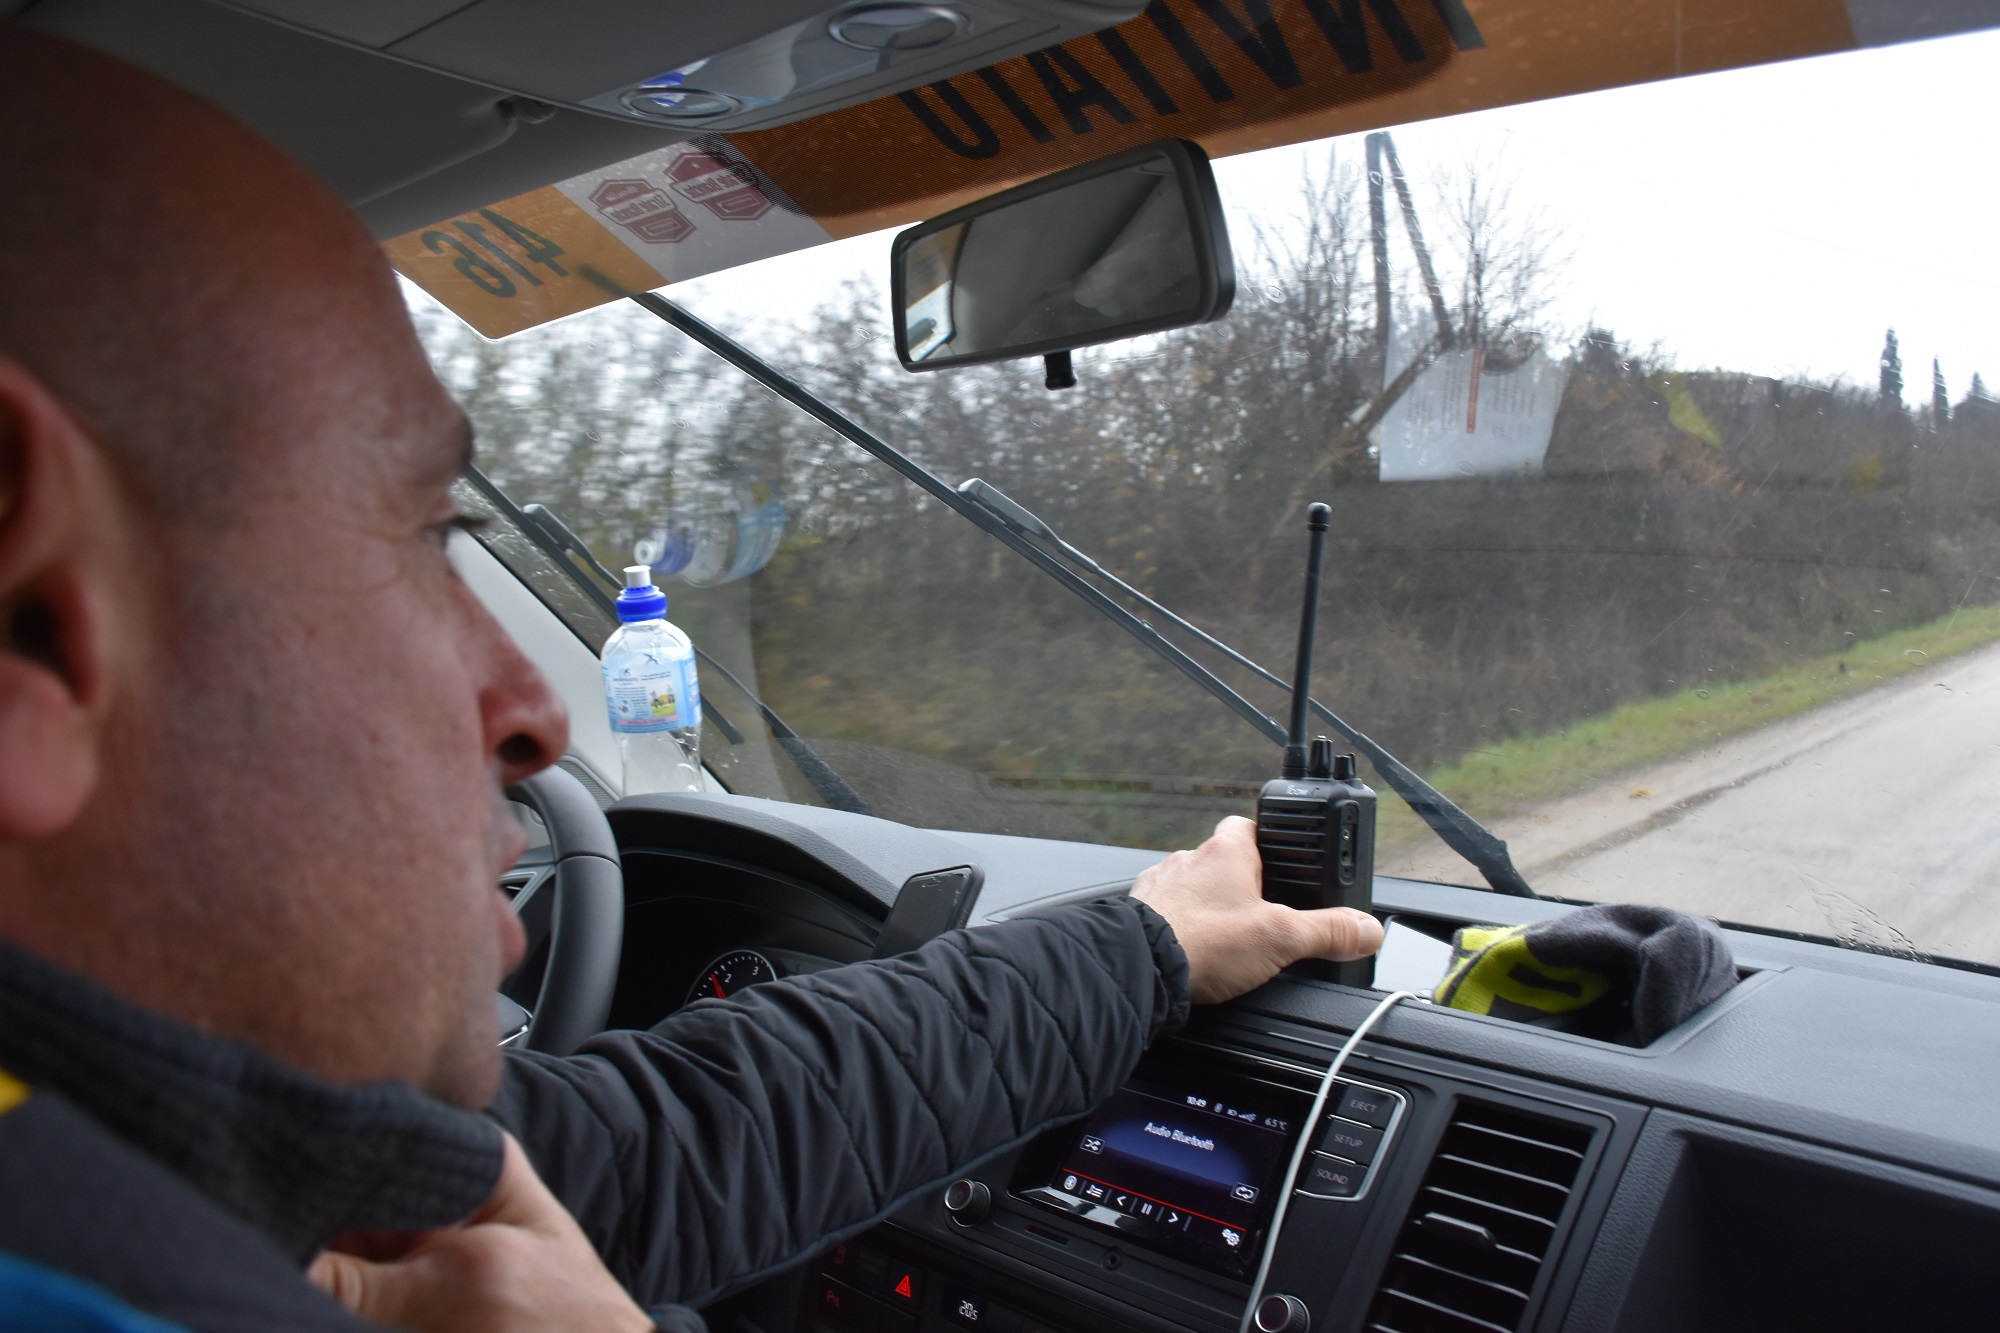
x: 1515, y: 774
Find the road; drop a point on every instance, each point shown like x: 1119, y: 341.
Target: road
x: 1875, y: 819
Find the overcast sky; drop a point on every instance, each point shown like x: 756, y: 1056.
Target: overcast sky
x: 1773, y: 220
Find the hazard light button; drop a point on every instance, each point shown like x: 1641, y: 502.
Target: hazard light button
x: 904, y: 1286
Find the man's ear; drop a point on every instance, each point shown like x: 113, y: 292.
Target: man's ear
x: 60, y: 517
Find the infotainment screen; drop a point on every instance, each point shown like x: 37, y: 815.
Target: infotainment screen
x: 1189, y: 1164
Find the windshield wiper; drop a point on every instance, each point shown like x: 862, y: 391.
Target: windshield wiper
x: 566, y: 550
x: 1459, y: 831
x: 1013, y: 527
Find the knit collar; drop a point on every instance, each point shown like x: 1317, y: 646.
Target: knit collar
x: 296, y: 1157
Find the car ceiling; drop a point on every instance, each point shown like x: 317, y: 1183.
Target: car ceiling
x: 398, y: 141
x: 417, y: 109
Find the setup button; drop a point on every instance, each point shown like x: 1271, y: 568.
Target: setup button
x: 1355, y: 1142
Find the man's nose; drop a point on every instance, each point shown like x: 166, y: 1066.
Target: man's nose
x: 526, y: 726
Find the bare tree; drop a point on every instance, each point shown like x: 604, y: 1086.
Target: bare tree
x: 1508, y: 259
x: 1504, y: 261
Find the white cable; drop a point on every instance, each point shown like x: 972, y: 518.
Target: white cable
x: 1388, y: 1002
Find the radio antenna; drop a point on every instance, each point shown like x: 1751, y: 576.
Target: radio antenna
x: 1295, y: 737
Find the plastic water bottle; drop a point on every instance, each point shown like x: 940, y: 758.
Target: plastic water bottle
x: 651, y: 691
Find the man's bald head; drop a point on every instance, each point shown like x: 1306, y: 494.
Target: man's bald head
x: 250, y: 766
x: 172, y: 276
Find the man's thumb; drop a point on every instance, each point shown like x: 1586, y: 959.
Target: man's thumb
x: 370, y: 1291
x: 1345, y: 934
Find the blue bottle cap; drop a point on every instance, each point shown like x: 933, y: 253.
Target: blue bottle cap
x: 639, y: 599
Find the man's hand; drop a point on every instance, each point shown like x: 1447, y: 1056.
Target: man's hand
x: 519, y: 1263
x: 1234, y: 940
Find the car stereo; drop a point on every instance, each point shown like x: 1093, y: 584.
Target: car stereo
x: 1183, y: 1162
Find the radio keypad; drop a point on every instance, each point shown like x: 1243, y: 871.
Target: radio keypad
x: 1358, y: 1119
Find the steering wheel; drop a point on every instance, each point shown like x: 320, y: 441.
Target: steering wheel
x: 576, y: 907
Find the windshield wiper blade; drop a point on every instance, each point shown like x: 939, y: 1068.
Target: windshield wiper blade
x: 1458, y: 830
x: 1455, y: 828
x: 567, y: 550
x: 978, y: 515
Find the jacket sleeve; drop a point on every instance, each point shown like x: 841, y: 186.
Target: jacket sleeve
x: 739, y: 1134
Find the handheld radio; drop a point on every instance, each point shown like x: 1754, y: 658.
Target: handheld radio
x: 1316, y: 823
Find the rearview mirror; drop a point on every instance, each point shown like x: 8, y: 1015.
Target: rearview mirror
x: 1126, y: 245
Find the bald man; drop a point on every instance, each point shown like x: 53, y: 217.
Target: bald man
x: 253, y: 734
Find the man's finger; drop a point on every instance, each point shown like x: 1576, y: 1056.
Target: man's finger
x: 520, y: 1198
x: 357, y: 1284
x: 419, y: 1293
x: 1235, y: 839
x: 1341, y: 933
x: 1237, y: 829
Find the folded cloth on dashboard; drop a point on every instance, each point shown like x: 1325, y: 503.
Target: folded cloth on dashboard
x: 1620, y: 972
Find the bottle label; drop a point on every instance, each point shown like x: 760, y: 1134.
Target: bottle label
x: 643, y: 694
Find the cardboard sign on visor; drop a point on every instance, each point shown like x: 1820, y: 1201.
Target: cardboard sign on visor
x: 1232, y: 75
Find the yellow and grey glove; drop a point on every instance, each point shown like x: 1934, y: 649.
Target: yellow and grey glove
x: 1620, y: 972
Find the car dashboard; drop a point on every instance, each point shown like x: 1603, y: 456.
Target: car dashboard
x: 1818, y: 1148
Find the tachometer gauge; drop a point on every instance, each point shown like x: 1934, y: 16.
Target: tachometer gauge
x: 731, y: 973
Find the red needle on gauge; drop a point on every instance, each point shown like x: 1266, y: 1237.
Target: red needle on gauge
x: 720, y: 994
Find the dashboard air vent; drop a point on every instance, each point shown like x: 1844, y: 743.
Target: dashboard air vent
x: 1483, y: 1221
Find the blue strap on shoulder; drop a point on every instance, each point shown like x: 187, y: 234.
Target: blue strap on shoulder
x: 32, y: 1296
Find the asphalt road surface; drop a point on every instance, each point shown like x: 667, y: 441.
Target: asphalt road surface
x: 1873, y: 820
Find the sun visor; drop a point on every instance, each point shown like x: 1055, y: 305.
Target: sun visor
x: 1233, y: 75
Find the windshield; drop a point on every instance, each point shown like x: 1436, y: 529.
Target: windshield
x: 1666, y: 519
